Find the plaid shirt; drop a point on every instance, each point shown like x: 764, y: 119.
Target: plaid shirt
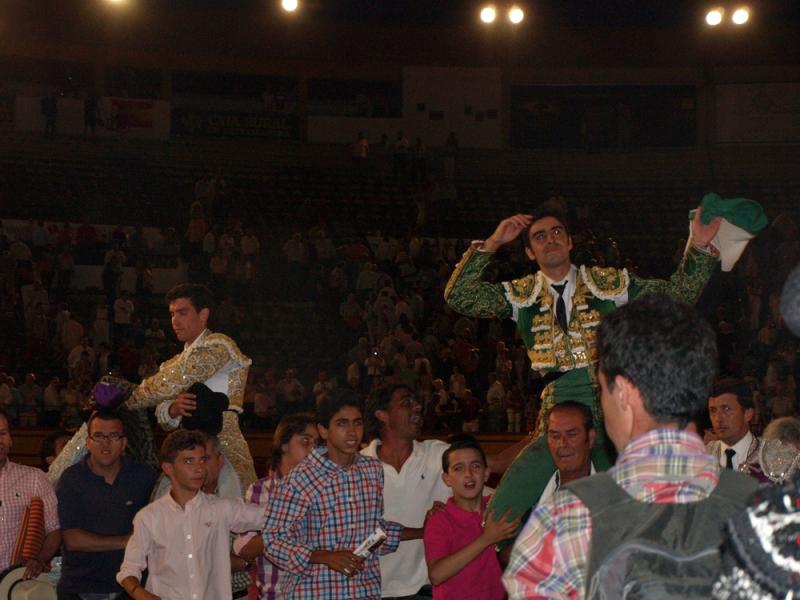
x: 18, y: 484
x: 268, y: 575
x: 322, y: 506
x: 550, y: 557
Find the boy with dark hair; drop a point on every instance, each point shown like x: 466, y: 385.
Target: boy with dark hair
x: 182, y: 539
x: 327, y: 506
x: 459, y: 542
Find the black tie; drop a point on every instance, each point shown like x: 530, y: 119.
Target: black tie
x: 561, y: 307
x: 729, y: 458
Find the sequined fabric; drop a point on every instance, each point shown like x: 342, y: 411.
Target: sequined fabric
x: 206, y: 356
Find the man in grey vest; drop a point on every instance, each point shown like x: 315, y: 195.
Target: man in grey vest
x: 657, y: 363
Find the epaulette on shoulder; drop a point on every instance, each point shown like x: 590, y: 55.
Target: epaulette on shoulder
x: 220, y: 339
x: 606, y: 283
x: 523, y: 292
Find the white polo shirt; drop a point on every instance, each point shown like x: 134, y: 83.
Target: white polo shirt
x: 407, y: 496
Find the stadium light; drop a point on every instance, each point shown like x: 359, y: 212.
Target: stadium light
x: 741, y: 16
x: 515, y: 15
x: 714, y: 16
x: 488, y: 14
x: 289, y: 5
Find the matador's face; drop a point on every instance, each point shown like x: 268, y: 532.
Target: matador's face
x: 187, y: 322
x: 549, y: 243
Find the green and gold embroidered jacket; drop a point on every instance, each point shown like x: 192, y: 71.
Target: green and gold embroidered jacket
x: 597, y: 292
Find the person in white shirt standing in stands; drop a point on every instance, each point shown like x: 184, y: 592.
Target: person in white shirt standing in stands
x: 182, y: 539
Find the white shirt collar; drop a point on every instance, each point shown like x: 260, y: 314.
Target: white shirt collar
x: 570, y: 279
x: 196, y: 340
x: 741, y: 447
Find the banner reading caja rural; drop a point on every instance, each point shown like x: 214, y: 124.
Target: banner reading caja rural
x: 208, y: 123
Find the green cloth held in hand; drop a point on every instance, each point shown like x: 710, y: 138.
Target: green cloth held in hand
x: 741, y: 212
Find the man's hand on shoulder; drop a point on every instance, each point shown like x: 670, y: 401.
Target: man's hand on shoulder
x: 507, y: 231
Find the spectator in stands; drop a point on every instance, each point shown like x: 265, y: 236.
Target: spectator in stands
x: 249, y: 245
x: 97, y: 501
x: 123, y: 315
x: 420, y: 161
x: 322, y: 388
x: 400, y: 154
x: 657, y: 364
x: 290, y: 393
x: 160, y: 542
x: 79, y: 358
x: 34, y: 299
x: 459, y: 540
x: 115, y: 252
x: 137, y: 242
x: 360, y: 155
x: 30, y: 401
x: 71, y: 333
x: 293, y: 440
x: 450, y: 156
x: 311, y: 530
x: 18, y: 485
x: 51, y: 403
x: 52, y: 445
x: 296, y: 256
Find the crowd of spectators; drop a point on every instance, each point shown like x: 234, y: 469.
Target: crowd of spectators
x: 380, y: 294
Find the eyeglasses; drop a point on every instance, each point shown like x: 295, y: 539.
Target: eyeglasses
x: 557, y: 232
x: 111, y: 437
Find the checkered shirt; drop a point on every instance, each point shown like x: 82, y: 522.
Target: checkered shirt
x: 322, y: 506
x: 551, y: 554
x: 268, y: 575
x: 18, y: 484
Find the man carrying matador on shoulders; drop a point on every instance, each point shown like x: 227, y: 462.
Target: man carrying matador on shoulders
x: 201, y: 387
x: 558, y: 309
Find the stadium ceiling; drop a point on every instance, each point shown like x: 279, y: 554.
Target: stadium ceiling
x: 570, y: 14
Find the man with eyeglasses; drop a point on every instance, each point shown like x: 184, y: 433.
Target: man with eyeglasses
x: 558, y: 310
x: 97, y: 500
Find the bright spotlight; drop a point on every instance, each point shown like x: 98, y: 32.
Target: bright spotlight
x: 741, y: 16
x: 488, y: 14
x: 289, y: 5
x: 515, y: 15
x: 714, y: 16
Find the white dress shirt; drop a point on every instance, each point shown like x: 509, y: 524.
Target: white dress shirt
x: 741, y: 447
x: 555, y: 484
x: 187, y: 551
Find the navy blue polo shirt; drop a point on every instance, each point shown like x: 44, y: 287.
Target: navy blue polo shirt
x: 86, y: 501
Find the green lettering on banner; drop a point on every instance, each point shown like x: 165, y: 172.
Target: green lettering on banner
x: 188, y: 122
